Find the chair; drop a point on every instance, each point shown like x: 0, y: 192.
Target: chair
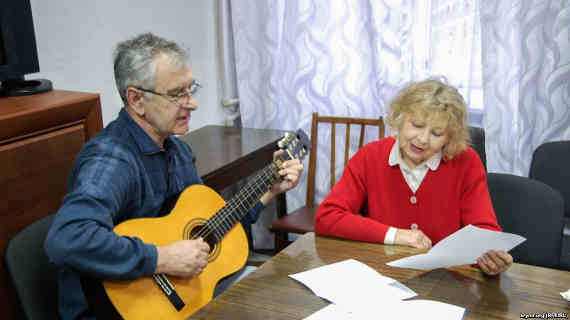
x: 478, y: 143
x: 302, y: 220
x: 30, y: 271
x: 550, y: 165
x: 533, y: 210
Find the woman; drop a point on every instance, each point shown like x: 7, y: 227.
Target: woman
x: 421, y: 185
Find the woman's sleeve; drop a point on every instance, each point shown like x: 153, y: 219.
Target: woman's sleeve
x: 338, y: 215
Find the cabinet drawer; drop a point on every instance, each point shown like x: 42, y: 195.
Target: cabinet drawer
x: 34, y: 173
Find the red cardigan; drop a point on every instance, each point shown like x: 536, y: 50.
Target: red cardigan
x: 453, y: 196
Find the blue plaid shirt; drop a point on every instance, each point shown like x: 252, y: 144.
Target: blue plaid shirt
x: 120, y: 174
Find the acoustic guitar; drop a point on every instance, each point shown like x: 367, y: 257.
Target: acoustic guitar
x: 199, y: 212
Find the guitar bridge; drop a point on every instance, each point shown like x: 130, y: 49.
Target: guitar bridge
x: 168, y: 290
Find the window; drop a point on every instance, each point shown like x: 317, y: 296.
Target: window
x: 447, y: 42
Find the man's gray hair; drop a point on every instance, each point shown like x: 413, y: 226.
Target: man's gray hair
x: 134, y: 61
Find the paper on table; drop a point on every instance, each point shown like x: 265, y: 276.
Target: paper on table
x: 351, y: 283
x: 566, y: 295
x: 462, y: 247
x: 414, y: 309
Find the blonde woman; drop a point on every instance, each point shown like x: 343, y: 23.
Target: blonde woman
x: 420, y: 185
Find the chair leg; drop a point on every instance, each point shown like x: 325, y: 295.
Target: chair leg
x: 281, y: 241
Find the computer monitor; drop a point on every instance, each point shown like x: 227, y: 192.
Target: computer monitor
x: 18, y: 51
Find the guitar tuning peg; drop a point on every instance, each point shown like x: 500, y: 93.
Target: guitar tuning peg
x: 284, y: 141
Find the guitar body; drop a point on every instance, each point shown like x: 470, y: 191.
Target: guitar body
x: 142, y: 298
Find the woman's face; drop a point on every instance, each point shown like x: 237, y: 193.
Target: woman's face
x: 421, y: 137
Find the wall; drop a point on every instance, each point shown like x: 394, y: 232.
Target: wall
x: 76, y: 40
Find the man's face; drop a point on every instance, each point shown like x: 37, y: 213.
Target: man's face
x: 167, y: 117
x: 421, y: 138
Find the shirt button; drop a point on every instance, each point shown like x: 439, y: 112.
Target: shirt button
x: 414, y: 226
x: 413, y: 200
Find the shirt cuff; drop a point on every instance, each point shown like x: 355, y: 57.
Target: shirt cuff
x: 390, y: 236
x: 151, y: 254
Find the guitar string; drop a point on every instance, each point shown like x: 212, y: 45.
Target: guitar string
x: 216, y: 220
x: 266, y: 173
x: 258, y: 182
x: 220, y: 219
x: 219, y: 224
x: 270, y: 175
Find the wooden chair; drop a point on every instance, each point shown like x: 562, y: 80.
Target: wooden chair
x: 301, y: 220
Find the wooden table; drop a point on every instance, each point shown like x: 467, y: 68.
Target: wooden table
x: 225, y: 155
x: 268, y: 293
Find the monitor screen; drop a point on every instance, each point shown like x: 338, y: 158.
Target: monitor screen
x: 2, y: 58
x: 18, y: 51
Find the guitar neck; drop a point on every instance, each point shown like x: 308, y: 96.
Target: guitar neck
x: 237, y: 207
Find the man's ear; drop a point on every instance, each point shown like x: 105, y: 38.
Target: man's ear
x: 135, y: 100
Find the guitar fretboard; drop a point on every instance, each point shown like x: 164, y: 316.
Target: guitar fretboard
x: 237, y: 207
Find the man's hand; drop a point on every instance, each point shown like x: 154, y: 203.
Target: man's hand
x: 495, y: 262
x: 413, y: 238
x: 185, y: 258
x: 290, y: 172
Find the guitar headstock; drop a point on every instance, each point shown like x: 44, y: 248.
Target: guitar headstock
x: 296, y: 145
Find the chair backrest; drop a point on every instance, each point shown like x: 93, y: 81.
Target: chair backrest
x: 533, y: 210
x: 478, y: 143
x: 31, y: 273
x: 359, y: 122
x: 550, y: 165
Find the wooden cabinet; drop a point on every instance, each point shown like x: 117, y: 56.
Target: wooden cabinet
x: 40, y: 136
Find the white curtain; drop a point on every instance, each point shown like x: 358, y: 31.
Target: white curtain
x: 342, y: 58
x: 510, y: 60
x: 526, y: 73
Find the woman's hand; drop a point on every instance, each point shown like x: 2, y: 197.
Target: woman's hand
x: 412, y: 238
x: 495, y: 262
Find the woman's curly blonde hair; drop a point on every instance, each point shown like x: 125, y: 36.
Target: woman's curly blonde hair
x: 433, y: 99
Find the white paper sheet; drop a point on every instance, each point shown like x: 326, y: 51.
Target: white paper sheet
x: 351, y: 283
x: 566, y: 295
x: 414, y: 309
x: 462, y: 247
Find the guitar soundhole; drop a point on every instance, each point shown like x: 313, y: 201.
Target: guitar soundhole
x: 200, y: 231
x: 195, y: 229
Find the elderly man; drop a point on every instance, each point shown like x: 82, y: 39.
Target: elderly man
x: 135, y: 168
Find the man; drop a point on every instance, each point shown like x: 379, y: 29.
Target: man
x: 135, y: 168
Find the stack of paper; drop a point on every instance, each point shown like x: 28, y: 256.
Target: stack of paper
x: 414, y: 309
x: 349, y: 282
x: 360, y: 292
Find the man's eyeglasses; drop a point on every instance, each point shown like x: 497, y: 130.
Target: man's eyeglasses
x: 181, y: 98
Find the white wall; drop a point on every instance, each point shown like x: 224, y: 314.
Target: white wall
x: 76, y: 40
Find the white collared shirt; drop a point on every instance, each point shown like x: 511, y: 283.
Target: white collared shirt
x: 413, y: 177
